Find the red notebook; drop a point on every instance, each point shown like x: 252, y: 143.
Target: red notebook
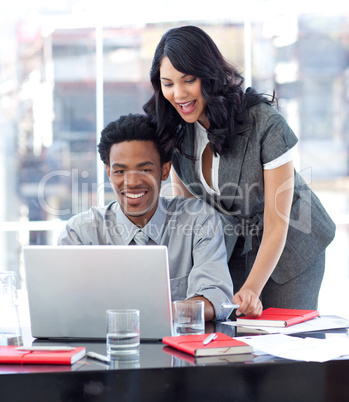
x: 278, y: 317
x: 9, y: 354
x: 182, y: 358
x: 222, y: 345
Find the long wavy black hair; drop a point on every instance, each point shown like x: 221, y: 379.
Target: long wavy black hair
x: 193, y: 52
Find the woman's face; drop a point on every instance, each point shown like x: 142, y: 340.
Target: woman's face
x: 183, y: 92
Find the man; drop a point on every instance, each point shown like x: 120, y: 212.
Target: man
x: 136, y: 165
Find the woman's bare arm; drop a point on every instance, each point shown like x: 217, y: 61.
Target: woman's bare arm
x: 278, y: 185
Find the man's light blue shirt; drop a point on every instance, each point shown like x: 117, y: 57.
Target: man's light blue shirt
x: 191, y: 230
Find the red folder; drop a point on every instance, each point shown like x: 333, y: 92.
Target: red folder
x: 222, y: 345
x: 9, y: 354
x: 278, y: 317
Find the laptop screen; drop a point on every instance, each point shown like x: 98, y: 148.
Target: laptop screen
x: 71, y: 287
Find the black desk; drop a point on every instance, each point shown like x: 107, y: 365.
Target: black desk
x: 161, y: 376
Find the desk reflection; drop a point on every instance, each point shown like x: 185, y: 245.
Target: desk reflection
x: 152, y: 355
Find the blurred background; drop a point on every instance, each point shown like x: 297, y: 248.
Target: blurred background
x: 69, y: 67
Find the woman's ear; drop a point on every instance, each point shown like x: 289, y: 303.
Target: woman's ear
x: 166, y: 168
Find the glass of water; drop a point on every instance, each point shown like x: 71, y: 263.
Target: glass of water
x: 10, y: 330
x: 122, y: 332
x: 188, y: 317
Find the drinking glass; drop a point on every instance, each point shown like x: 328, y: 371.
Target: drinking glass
x: 122, y: 332
x: 10, y: 329
x: 188, y: 317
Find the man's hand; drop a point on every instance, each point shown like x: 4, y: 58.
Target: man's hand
x: 249, y: 303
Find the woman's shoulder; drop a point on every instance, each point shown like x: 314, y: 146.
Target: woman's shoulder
x: 263, y: 117
x: 263, y: 111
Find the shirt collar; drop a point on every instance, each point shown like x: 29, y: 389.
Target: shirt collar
x: 153, y: 228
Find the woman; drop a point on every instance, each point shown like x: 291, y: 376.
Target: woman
x: 233, y: 149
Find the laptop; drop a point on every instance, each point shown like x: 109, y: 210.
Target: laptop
x: 71, y: 287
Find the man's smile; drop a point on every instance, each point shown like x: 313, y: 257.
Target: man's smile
x: 133, y: 195
x: 135, y: 198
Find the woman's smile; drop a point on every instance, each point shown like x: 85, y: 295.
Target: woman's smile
x: 183, y: 91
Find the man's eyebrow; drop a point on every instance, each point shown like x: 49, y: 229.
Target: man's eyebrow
x: 118, y: 165
x: 139, y: 165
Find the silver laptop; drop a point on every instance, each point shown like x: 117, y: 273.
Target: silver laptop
x: 71, y: 287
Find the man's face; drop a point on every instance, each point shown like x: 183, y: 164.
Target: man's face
x: 135, y: 174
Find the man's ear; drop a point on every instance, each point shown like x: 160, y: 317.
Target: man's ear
x: 108, y: 170
x: 166, y: 168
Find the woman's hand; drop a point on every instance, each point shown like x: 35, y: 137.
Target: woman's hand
x: 249, y: 303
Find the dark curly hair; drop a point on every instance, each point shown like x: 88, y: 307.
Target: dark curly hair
x: 193, y: 52
x: 131, y: 127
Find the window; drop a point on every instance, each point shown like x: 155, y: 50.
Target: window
x: 67, y: 70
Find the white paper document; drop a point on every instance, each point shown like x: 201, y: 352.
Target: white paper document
x: 316, y: 324
x: 304, y: 349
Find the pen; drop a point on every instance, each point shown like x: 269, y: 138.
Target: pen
x: 99, y: 357
x: 45, y: 348
x: 210, y: 338
x: 233, y: 306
